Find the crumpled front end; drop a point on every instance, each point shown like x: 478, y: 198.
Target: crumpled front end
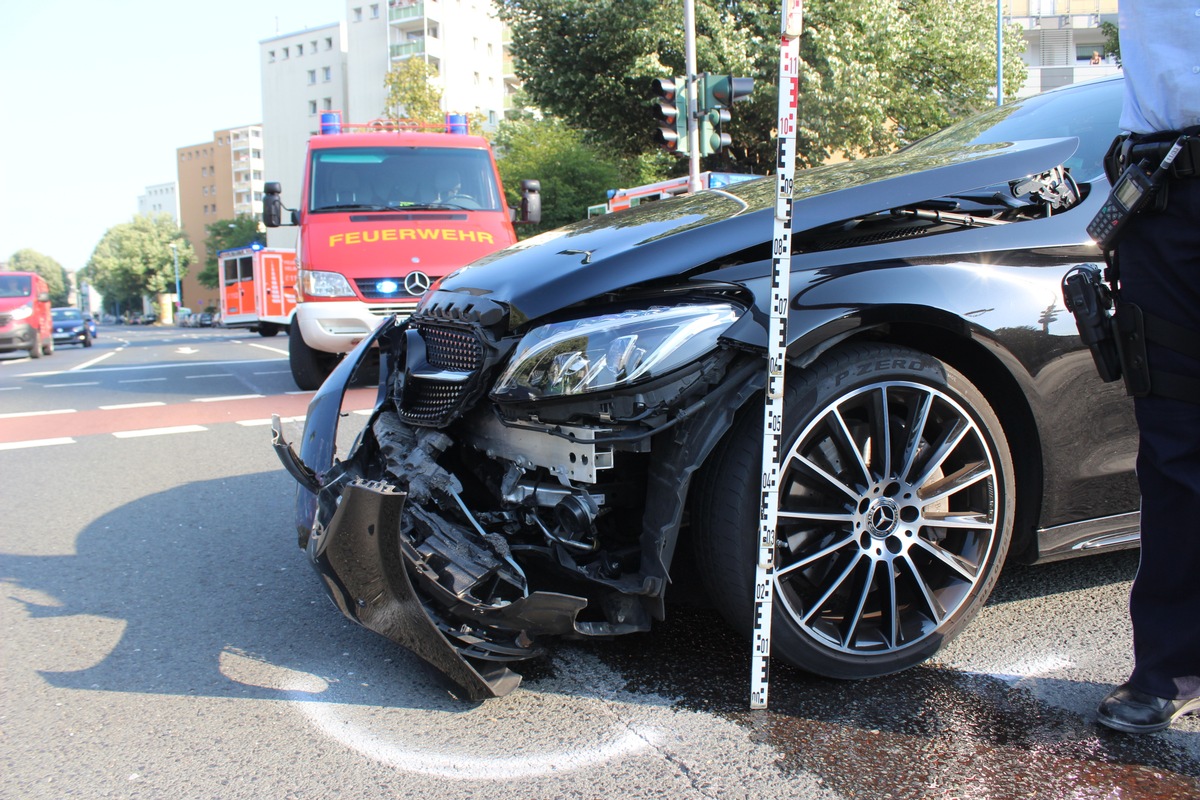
x: 472, y: 520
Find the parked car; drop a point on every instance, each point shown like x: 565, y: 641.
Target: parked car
x: 561, y: 423
x: 25, y: 314
x: 205, y: 320
x: 70, y: 327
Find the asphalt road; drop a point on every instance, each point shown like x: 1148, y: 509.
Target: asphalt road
x: 163, y: 637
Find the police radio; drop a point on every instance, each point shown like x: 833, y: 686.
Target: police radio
x: 1129, y: 195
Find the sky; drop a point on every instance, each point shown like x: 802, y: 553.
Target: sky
x: 98, y: 95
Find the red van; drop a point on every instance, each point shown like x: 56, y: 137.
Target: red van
x: 25, y: 314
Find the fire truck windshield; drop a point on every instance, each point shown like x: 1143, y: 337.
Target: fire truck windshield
x: 378, y: 178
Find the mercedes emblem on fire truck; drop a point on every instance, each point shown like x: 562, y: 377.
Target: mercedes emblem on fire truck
x: 416, y: 283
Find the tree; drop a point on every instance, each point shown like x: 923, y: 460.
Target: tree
x: 135, y: 259
x: 1112, y: 40
x: 875, y: 74
x: 57, y: 280
x: 573, y: 174
x: 225, y: 234
x: 412, y: 94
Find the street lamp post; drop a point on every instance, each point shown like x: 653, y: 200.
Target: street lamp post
x: 178, y: 296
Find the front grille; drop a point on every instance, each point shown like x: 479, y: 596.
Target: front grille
x: 451, y: 349
x: 444, y: 369
x: 5, y: 319
x: 369, y: 287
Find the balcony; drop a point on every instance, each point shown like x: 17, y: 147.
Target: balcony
x: 400, y: 11
x: 408, y: 49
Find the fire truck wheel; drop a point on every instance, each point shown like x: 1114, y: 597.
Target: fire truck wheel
x: 268, y: 329
x: 310, y: 367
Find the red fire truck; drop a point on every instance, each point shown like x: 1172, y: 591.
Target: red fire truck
x: 258, y: 288
x: 386, y: 210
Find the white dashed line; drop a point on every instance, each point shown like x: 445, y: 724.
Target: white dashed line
x: 227, y: 397
x: 36, y: 443
x: 37, y: 413
x: 212, y: 375
x: 61, y: 385
x: 248, y: 423
x: 159, y: 431
x: 150, y: 404
x: 142, y: 380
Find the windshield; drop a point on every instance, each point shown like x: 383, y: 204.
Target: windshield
x: 1089, y: 111
x: 66, y: 314
x: 15, y: 285
x: 346, y: 179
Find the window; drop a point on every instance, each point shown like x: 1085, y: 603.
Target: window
x: 312, y: 106
x: 329, y: 43
x: 314, y: 46
x: 327, y: 74
x: 358, y: 15
x: 327, y: 104
x: 256, y: 153
x: 374, y: 11
x: 299, y: 49
x: 271, y: 56
x: 285, y: 52
x: 312, y: 76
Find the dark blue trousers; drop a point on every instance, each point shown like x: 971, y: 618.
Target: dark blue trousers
x: 1160, y: 272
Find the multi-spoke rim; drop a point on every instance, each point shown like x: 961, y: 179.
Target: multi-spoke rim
x: 888, y: 518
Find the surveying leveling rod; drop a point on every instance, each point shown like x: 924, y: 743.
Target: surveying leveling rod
x: 781, y: 267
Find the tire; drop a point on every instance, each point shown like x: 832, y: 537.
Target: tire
x: 87, y: 341
x: 267, y: 329
x: 310, y: 367
x: 36, y: 350
x: 886, y: 549
x: 48, y: 348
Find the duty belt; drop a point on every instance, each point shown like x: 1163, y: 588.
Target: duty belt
x: 1152, y: 147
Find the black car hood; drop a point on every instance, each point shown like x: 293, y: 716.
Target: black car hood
x: 704, y: 231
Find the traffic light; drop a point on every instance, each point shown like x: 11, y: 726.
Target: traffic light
x: 716, y: 94
x: 670, y: 109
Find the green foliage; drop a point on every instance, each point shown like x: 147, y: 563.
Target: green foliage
x: 135, y: 259
x: 1112, y: 40
x: 226, y: 234
x: 57, y: 280
x: 411, y: 93
x: 573, y: 173
x: 876, y: 74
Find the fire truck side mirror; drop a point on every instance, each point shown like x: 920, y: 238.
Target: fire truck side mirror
x: 272, y: 213
x: 531, y: 202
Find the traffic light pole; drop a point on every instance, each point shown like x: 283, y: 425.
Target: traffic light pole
x: 693, y: 131
x: 781, y: 269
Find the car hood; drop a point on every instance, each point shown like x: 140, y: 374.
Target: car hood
x: 707, y: 230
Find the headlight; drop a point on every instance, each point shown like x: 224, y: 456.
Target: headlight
x: 22, y: 312
x: 324, y: 284
x: 597, y: 353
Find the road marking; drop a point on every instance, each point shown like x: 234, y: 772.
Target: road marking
x: 9, y: 388
x: 187, y: 351
x: 227, y: 397
x: 305, y: 391
x: 37, y: 413
x: 95, y: 360
x: 36, y: 443
x: 252, y: 422
x: 268, y: 347
x: 142, y: 367
x: 275, y: 372
x: 150, y: 404
x: 61, y: 385
x: 142, y: 380
x: 159, y: 431
x: 212, y: 375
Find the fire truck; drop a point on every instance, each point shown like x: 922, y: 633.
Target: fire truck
x: 386, y: 209
x: 621, y: 199
x: 258, y: 288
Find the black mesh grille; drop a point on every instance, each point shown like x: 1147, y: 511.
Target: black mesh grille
x: 451, y: 349
x: 430, y: 399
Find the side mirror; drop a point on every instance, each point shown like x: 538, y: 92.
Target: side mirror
x: 531, y: 202
x: 272, y: 213
x: 43, y: 297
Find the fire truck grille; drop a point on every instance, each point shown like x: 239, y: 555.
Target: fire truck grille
x: 374, y: 289
x: 436, y: 391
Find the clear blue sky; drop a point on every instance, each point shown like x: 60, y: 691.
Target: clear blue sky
x: 99, y: 94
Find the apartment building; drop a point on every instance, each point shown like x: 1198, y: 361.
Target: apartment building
x: 341, y: 66
x: 1064, y: 43
x: 162, y: 198
x: 218, y: 180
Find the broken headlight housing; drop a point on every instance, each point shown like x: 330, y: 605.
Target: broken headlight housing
x: 610, y: 351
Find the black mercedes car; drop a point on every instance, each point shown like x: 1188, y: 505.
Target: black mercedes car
x: 562, y: 423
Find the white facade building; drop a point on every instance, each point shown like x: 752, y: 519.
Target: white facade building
x: 162, y: 198
x: 1063, y: 40
x: 341, y: 67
